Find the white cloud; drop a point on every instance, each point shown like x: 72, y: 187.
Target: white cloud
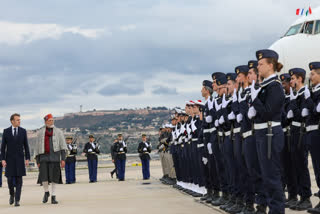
x: 126, y: 28
x: 22, y: 33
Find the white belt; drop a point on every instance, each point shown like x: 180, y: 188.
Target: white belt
x: 220, y: 134
x: 236, y: 130
x: 247, y: 134
x: 194, y: 139
x: 258, y: 126
x: 209, y: 130
x: 200, y: 145
x: 227, y: 133
x: 294, y: 123
x: 68, y: 156
x: 312, y: 128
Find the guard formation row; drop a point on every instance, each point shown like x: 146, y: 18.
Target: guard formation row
x: 52, y: 153
x: 248, y: 143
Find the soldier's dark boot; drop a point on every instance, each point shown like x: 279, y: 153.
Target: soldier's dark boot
x: 261, y: 209
x: 45, y: 197
x: 237, y: 208
x: 248, y: 209
x: 215, y: 195
x: 232, y: 201
x: 292, y: 201
x: 316, y: 209
x: 209, y: 198
x: 304, y: 204
x: 53, y: 200
x: 222, y: 200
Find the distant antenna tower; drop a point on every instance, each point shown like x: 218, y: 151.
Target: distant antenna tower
x: 80, y: 108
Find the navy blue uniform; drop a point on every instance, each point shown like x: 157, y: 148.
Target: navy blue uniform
x: 144, y: 149
x: 91, y: 150
x: 70, y: 167
x: 269, y: 105
x: 313, y: 131
x: 298, y: 148
x: 120, y: 149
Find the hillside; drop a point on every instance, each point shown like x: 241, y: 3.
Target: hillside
x: 107, y: 124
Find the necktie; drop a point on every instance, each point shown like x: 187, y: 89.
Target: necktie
x: 15, y: 131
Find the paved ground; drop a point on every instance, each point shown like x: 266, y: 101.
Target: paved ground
x: 108, y: 196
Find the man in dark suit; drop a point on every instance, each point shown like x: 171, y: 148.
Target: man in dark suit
x: 15, y: 156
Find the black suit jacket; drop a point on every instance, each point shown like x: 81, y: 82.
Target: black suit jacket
x: 14, y: 150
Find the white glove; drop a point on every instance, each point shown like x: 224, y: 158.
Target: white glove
x: 254, y: 92
x: 252, y: 112
x: 305, y: 112
x: 234, y: 96
x: 216, y: 123
x: 318, y: 108
x: 210, y: 103
x: 231, y: 116
x: 306, y: 93
x: 204, y: 160
x: 121, y: 149
x: 209, y: 148
x: 144, y: 149
x: 290, y: 114
x: 209, y: 119
x: 89, y: 150
x: 240, y: 99
x: 218, y: 107
x: 224, y: 101
x: 221, y: 120
x: 292, y: 96
x: 193, y: 126
x: 239, y: 118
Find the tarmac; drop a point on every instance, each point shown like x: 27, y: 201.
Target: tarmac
x: 108, y: 195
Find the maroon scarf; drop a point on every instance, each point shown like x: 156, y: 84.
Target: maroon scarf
x: 47, y: 141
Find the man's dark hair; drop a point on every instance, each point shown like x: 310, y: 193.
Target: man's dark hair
x: 14, y: 115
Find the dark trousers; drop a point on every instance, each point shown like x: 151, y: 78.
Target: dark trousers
x: 271, y: 168
x: 299, y: 157
x: 0, y: 175
x: 145, y: 168
x: 254, y: 179
x: 115, y: 169
x: 93, y: 169
x: 241, y: 177
x: 15, y: 182
x: 121, y: 167
x: 70, y: 169
x: 230, y: 164
x: 313, y: 142
x: 219, y: 163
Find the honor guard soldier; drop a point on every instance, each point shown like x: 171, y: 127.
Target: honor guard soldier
x: 299, y: 150
x: 311, y: 112
x: 120, y: 148
x: 91, y: 150
x: 144, y: 149
x: 289, y: 179
x: 70, y: 167
x: 266, y: 109
x: 113, y: 157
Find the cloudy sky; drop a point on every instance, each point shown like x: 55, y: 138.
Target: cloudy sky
x: 57, y: 55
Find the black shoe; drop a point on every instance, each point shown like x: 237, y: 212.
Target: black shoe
x: 304, y: 205
x: 17, y: 204
x: 228, y: 205
x: 222, y: 200
x: 11, y: 200
x: 203, y: 198
x: 316, y: 209
x: 53, y: 200
x: 215, y: 195
x: 237, y: 208
x: 248, y: 209
x: 111, y: 174
x: 291, y: 202
x: 261, y: 209
x: 45, y: 197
